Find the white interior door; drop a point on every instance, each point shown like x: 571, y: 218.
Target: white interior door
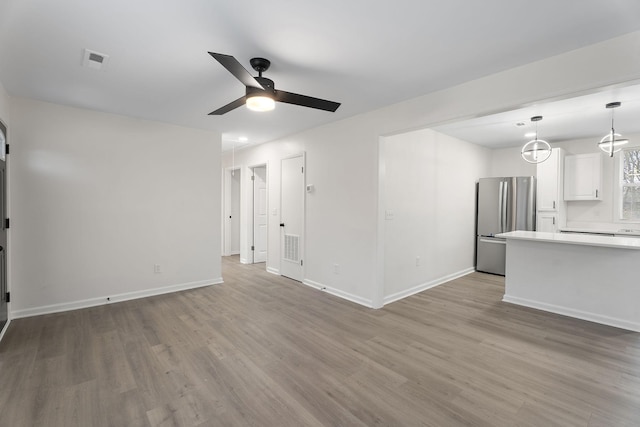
x: 260, y: 214
x: 292, y: 217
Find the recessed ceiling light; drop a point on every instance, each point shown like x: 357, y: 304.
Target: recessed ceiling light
x: 243, y: 139
x: 529, y: 134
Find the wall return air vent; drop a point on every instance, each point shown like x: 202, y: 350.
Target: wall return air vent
x: 94, y: 60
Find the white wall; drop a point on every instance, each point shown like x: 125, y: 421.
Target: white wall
x: 430, y: 187
x: 4, y: 105
x: 344, y: 225
x: 98, y: 199
x: 509, y: 162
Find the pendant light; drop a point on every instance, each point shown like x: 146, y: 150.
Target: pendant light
x: 611, y: 142
x: 536, y: 150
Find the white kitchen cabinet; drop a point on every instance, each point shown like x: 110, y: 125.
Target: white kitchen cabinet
x: 549, y: 181
x: 583, y: 177
x: 547, y: 222
x: 550, y: 204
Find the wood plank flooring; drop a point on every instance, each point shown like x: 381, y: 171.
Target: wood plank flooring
x: 261, y: 350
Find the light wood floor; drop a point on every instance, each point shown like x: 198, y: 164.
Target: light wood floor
x: 261, y: 350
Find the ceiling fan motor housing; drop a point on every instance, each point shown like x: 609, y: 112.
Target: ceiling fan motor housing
x: 266, y: 83
x: 260, y: 64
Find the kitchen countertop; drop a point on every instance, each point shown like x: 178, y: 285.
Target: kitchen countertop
x: 574, y: 239
x: 619, y: 231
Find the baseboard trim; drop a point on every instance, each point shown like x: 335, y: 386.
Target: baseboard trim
x: 338, y: 293
x: 4, y: 329
x: 273, y: 271
x: 424, y: 286
x: 92, y: 302
x: 244, y: 261
x: 570, y: 312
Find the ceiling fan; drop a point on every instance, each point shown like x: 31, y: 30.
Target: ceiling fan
x: 261, y: 93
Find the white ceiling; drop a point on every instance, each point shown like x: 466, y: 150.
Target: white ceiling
x: 584, y: 116
x: 364, y: 53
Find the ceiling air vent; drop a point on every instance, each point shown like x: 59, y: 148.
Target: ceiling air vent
x: 95, y: 60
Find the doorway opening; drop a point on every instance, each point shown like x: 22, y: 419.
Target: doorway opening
x: 232, y: 197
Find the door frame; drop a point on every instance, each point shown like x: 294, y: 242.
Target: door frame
x: 251, y: 217
x: 7, y: 207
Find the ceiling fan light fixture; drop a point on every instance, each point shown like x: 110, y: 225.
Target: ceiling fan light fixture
x: 260, y: 103
x: 260, y: 91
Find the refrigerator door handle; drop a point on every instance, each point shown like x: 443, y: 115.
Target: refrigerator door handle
x: 514, y: 205
x: 505, y: 207
x: 500, y: 207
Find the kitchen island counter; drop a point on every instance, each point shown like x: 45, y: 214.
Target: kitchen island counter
x: 575, y: 239
x: 589, y: 277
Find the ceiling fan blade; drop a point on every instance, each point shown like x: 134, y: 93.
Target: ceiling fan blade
x: 306, y: 101
x: 230, y: 106
x: 234, y: 67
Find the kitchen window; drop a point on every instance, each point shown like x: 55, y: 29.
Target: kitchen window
x: 629, y: 185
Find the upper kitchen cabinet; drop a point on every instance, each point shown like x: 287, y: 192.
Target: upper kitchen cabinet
x: 550, y: 204
x: 549, y: 174
x: 583, y: 177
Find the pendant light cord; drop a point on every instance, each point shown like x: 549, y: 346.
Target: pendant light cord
x: 613, y: 134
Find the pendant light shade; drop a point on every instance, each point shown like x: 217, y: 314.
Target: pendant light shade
x: 536, y: 150
x: 612, y: 142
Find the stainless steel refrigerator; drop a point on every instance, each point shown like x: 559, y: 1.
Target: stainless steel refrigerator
x: 504, y: 204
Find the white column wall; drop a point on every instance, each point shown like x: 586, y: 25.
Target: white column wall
x: 429, y: 189
x: 99, y: 199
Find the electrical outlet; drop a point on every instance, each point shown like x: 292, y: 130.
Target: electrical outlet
x: 336, y: 268
x: 388, y: 215
x: 157, y: 269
